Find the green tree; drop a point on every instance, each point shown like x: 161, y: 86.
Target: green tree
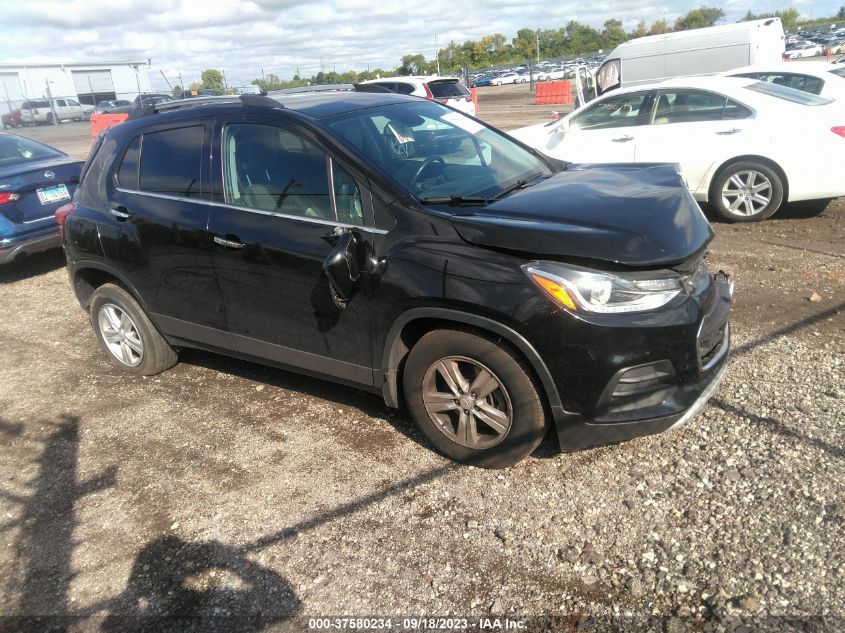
x: 177, y: 91
x: 412, y: 64
x: 699, y: 18
x: 524, y: 45
x: 840, y: 15
x: 789, y: 17
x: 613, y: 34
x: 581, y: 38
x: 659, y: 27
x: 212, y: 79
x: 641, y: 30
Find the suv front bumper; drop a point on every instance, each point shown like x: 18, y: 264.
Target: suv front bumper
x: 662, y: 406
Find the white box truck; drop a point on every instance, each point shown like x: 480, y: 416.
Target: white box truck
x: 695, y: 52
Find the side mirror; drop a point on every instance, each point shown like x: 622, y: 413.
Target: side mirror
x: 341, y: 266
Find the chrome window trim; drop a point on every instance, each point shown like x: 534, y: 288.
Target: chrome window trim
x: 236, y: 207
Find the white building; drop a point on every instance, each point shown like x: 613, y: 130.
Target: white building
x: 88, y: 83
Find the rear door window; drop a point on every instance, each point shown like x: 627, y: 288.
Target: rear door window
x: 447, y: 89
x: 171, y: 162
x: 693, y: 106
x: 404, y: 88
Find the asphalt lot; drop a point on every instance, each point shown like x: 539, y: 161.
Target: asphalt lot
x: 242, y: 498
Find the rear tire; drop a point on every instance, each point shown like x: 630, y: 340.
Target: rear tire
x: 474, y: 400
x: 131, y: 341
x: 746, y: 191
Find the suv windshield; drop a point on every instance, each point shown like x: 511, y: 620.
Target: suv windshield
x: 435, y: 152
x: 788, y: 94
x: 16, y: 149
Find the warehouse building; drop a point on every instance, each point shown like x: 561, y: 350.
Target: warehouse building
x: 85, y: 82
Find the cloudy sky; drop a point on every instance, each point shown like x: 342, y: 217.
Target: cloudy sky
x: 244, y: 36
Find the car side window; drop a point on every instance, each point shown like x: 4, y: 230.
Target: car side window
x: 127, y: 173
x: 405, y: 89
x: 271, y: 169
x: 61, y: 103
x: 171, y: 162
x: 72, y: 102
x: 692, y: 106
x: 616, y: 111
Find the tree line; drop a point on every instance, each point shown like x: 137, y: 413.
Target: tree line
x: 496, y: 49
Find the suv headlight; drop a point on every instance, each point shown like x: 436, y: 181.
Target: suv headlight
x: 580, y: 289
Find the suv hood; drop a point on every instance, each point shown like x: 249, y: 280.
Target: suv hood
x: 636, y: 215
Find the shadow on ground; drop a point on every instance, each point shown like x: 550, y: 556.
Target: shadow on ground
x: 32, y: 266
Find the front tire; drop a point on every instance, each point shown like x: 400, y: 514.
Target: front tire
x: 746, y: 191
x: 474, y: 400
x: 125, y: 332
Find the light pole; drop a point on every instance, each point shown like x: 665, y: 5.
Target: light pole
x: 437, y: 54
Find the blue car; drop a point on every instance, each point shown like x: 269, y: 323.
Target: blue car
x: 35, y: 180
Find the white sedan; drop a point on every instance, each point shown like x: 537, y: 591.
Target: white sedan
x: 805, y: 49
x: 743, y: 145
x: 509, y: 78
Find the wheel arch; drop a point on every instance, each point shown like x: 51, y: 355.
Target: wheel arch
x: 89, y: 276
x: 409, y: 327
x: 749, y: 157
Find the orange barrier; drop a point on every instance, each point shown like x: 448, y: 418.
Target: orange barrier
x: 553, y: 92
x: 102, y: 121
x: 474, y: 93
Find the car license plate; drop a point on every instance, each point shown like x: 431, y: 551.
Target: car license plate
x: 53, y: 194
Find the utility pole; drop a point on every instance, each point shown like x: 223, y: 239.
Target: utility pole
x: 52, y: 105
x: 165, y: 80
x: 437, y: 54
x: 225, y: 85
x: 538, y: 46
x: 137, y: 80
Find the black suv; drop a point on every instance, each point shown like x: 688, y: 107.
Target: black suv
x: 396, y: 245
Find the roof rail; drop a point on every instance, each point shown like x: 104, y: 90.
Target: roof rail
x: 313, y: 88
x: 247, y: 100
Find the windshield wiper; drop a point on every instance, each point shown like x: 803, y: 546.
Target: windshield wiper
x: 519, y: 184
x: 456, y: 200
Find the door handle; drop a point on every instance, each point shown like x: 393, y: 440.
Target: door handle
x: 222, y: 241
x: 120, y: 213
x: 729, y: 132
x: 623, y: 139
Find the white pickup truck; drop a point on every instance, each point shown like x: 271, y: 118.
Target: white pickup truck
x: 35, y: 111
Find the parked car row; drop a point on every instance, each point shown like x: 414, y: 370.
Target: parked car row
x: 440, y: 258
x: 40, y: 111
x: 818, y: 41
x: 544, y: 71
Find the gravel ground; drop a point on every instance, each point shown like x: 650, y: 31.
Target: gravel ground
x: 243, y: 498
